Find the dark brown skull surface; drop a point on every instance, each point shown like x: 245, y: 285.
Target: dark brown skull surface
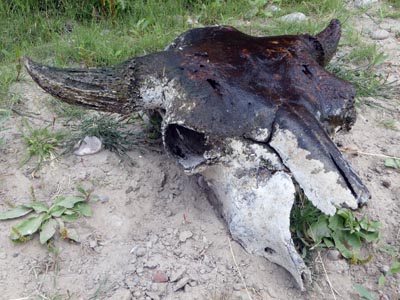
x: 253, y: 115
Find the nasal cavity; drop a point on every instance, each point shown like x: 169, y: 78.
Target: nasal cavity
x: 184, y: 142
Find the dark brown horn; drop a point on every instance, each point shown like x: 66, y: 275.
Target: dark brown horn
x: 329, y: 39
x: 112, y: 89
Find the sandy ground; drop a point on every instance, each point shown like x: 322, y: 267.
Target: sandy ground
x: 154, y: 223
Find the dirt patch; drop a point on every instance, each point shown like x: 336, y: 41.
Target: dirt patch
x: 154, y: 235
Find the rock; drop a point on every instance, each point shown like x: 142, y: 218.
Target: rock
x: 140, y: 251
x: 293, y: 17
x: 274, y: 8
x: 150, y: 264
x: 153, y: 295
x: 386, y: 183
x: 362, y: 3
x: 159, y: 276
x: 3, y: 255
x: 384, y: 269
x: 380, y: 34
x: 121, y: 294
x: 184, y: 235
x: 181, y: 284
x: 177, y: 274
x: 103, y: 198
x: 333, y: 254
x: 237, y: 287
x: 89, y: 145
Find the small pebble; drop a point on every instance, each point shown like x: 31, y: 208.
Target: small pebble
x: 177, y: 274
x: 386, y: 183
x: 150, y: 264
x: 160, y: 276
x: 121, y: 294
x: 362, y: 3
x: 293, y: 17
x: 103, y: 198
x: 379, y: 34
x: 3, y: 255
x: 184, y: 235
x: 89, y: 145
x: 181, y: 283
x: 333, y: 254
x: 384, y: 269
x: 140, y: 251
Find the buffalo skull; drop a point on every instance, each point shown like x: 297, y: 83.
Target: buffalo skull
x: 252, y: 115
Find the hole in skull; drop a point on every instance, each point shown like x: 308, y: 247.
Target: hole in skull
x: 269, y: 250
x: 184, y: 142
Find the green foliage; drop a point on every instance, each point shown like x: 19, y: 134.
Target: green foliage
x: 344, y: 231
x: 112, y: 132
x: 393, y: 163
x: 49, y: 220
x: 364, y: 293
x: 41, y: 142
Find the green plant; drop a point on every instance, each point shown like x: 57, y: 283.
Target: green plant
x: 364, y: 293
x: 393, y: 163
x: 41, y: 142
x: 48, y: 220
x: 112, y: 132
x: 344, y: 231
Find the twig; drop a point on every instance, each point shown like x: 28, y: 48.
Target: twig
x: 333, y: 291
x: 25, y: 298
x: 238, y: 270
x: 351, y: 150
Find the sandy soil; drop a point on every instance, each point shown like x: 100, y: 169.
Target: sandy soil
x: 153, y: 223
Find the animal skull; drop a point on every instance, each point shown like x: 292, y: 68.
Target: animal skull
x: 252, y: 115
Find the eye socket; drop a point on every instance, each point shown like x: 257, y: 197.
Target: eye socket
x: 185, y: 143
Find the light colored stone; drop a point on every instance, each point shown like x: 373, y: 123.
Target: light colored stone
x: 380, y: 34
x: 89, y: 145
x: 177, y: 274
x: 121, y: 294
x: 362, y: 3
x: 184, y: 235
x: 181, y: 283
x: 333, y: 254
x: 293, y: 17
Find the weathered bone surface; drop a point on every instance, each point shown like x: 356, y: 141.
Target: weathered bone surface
x: 253, y: 115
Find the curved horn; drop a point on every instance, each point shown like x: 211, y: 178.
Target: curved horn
x: 113, y: 89
x: 329, y: 39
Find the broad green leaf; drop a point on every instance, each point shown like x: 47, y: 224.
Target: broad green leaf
x: 15, y: 212
x: 81, y: 190
x: 369, y: 236
x: 83, y: 209
x: 395, y: 268
x: 57, y: 211
x: 328, y: 242
x: 370, y: 226
x: 319, y: 230
x: 70, y: 234
x: 26, y: 227
x: 58, y: 200
x: 47, y: 230
x: 392, y: 163
x: 364, y: 292
x: 69, y: 202
x: 336, y: 222
x: 381, y: 281
x: 38, y: 207
x: 70, y: 217
x: 340, y: 245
